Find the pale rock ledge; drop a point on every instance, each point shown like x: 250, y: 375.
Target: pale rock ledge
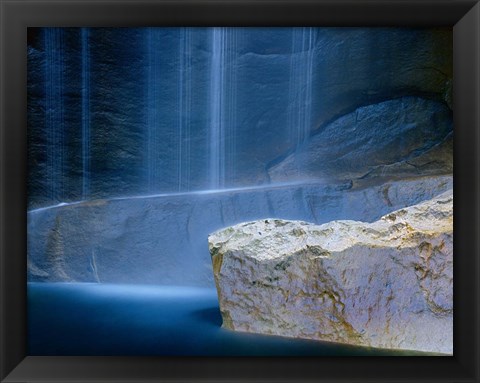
x: 386, y: 284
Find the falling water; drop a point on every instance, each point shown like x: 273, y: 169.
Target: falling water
x: 184, y: 109
x: 300, y: 85
x: 222, y: 106
x: 85, y: 113
x: 216, y: 93
x: 152, y: 113
x: 54, y: 111
x: 231, y: 101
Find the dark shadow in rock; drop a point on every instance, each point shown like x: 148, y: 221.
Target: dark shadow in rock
x: 210, y: 316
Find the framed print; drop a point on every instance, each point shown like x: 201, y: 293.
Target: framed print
x: 239, y: 191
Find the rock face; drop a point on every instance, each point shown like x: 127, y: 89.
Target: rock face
x: 105, y: 80
x: 162, y: 239
x: 401, y: 137
x: 384, y: 284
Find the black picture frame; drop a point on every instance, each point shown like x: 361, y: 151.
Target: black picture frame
x: 17, y: 15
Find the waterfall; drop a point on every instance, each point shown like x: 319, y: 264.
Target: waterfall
x: 85, y: 113
x: 300, y: 86
x: 216, y: 93
x: 222, y: 106
x: 184, y: 109
x: 231, y: 102
x: 54, y: 111
x: 152, y: 113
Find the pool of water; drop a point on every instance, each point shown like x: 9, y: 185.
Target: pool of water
x: 105, y: 319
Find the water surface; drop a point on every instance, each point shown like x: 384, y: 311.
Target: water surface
x: 106, y: 319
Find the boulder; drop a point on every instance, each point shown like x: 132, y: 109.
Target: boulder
x: 385, y: 284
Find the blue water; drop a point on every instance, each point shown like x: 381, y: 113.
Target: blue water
x: 100, y: 319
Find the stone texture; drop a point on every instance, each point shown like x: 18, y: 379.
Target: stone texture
x: 384, y: 284
x: 163, y: 239
x: 396, y: 138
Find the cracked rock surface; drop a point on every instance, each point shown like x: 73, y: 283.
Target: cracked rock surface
x: 386, y: 284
